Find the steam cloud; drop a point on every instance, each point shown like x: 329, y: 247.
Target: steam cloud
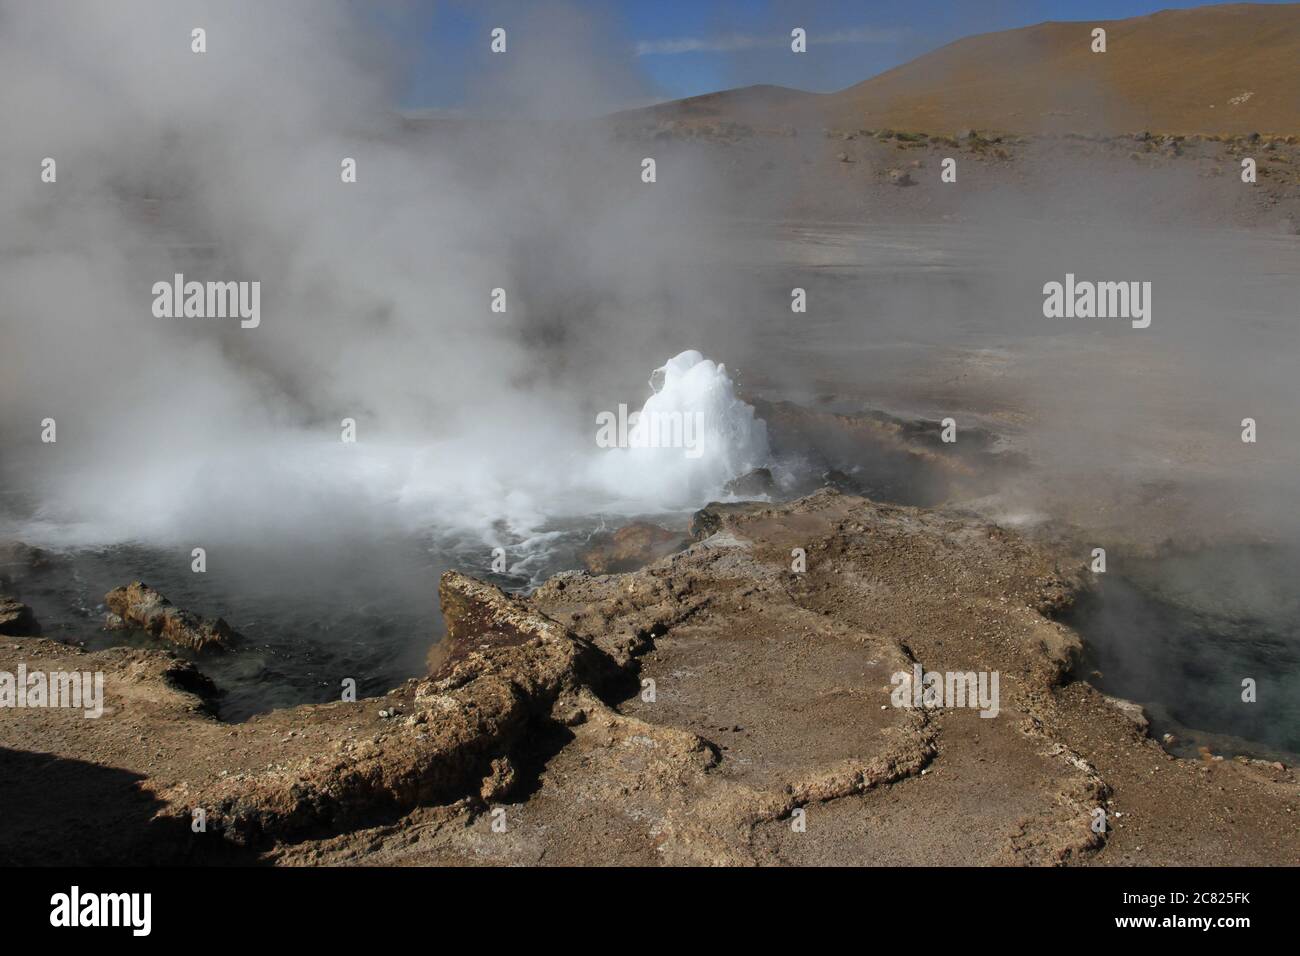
x: 375, y: 296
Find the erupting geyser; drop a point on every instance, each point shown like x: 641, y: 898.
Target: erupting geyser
x: 692, y: 435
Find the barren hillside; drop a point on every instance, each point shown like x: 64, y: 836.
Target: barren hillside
x: 1232, y: 69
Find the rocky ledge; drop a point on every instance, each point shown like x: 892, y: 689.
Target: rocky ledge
x: 731, y: 703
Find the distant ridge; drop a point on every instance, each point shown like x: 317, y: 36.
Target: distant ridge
x: 1228, y: 69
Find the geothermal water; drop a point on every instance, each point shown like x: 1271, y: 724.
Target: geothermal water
x: 496, y: 480
x: 1167, y: 631
x: 338, y: 576
x: 326, y: 555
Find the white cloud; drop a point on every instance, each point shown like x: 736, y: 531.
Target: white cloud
x: 741, y: 41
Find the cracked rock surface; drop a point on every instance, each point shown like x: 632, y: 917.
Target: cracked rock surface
x: 716, y: 707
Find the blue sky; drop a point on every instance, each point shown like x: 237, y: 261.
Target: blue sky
x: 665, y: 49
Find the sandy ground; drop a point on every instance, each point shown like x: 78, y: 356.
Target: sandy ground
x: 881, y: 176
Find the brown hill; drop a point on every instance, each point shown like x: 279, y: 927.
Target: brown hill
x: 1224, y: 69
x: 746, y: 104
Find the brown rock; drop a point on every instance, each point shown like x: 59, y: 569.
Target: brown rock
x: 752, y: 484
x: 507, y: 667
x: 498, y: 784
x: 17, y: 620
x: 712, y: 517
x: 138, y: 605
x: 479, y: 617
x: 631, y: 547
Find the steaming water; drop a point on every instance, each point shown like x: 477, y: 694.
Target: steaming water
x: 341, y: 582
x: 326, y: 556
x: 1181, y: 633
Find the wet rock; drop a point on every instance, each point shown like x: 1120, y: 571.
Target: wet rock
x: 751, y: 485
x: 16, y: 556
x: 17, y: 619
x: 631, y: 547
x: 138, y: 605
x: 834, y: 478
